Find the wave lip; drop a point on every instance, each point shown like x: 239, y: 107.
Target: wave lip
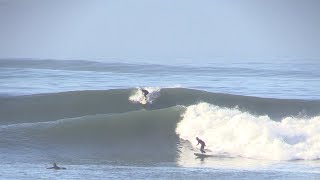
x: 237, y: 133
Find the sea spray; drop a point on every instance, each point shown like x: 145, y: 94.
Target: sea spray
x: 241, y: 134
x: 138, y: 97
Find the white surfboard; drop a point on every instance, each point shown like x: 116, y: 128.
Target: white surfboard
x: 206, y: 155
x: 203, y: 155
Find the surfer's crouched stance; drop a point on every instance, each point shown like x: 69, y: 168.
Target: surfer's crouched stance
x: 145, y: 93
x: 202, y: 145
x: 56, y: 167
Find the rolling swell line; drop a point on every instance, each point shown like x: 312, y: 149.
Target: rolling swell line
x: 53, y: 106
x: 129, y: 124
x: 136, y: 134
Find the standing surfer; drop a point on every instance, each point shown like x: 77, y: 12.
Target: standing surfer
x: 202, y: 145
x: 145, y: 93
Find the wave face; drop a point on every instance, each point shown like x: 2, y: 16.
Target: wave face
x: 111, y: 125
x: 137, y: 135
x: 54, y: 106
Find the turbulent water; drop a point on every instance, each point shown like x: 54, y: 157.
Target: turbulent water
x: 89, y: 116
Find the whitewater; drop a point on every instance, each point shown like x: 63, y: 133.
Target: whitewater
x: 259, y: 120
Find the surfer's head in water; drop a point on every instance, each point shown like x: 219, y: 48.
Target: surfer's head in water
x: 56, y: 167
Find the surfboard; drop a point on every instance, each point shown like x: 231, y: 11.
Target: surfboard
x: 206, y: 155
x: 203, y: 155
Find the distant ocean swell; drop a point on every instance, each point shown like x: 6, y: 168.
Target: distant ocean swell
x: 102, y: 125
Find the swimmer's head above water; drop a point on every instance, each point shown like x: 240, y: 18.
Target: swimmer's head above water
x: 56, y: 167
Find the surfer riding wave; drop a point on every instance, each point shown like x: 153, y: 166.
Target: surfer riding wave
x: 145, y: 93
x: 203, y: 144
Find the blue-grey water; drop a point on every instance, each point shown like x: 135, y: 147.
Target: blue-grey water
x: 259, y: 119
x: 275, y: 79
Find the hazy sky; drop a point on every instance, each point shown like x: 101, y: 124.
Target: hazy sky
x: 160, y: 29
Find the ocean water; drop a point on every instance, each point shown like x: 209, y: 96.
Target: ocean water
x: 260, y: 120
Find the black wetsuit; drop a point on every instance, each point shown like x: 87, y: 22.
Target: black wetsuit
x: 202, y: 145
x: 56, y: 167
x: 145, y: 92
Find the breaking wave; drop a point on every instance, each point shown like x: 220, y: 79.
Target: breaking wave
x: 108, y: 125
x: 54, y: 106
x: 235, y: 133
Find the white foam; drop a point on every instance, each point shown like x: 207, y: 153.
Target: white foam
x: 236, y: 133
x: 138, y: 97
